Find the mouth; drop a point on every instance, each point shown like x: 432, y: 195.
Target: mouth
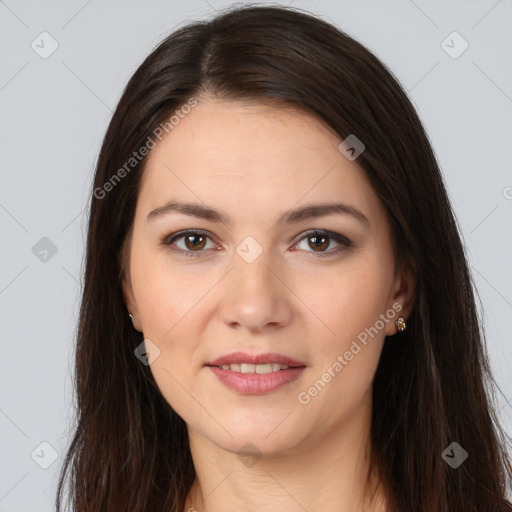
x: 255, y: 363
x: 260, y: 369
x: 256, y: 374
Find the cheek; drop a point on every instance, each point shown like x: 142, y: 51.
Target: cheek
x: 169, y: 306
x: 347, y: 358
x: 164, y: 297
x: 351, y: 299
x: 350, y: 303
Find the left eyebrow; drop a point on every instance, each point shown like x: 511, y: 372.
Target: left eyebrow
x: 293, y: 216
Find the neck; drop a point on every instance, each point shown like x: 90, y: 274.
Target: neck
x: 325, y: 472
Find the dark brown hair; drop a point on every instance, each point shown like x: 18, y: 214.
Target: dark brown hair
x: 433, y: 385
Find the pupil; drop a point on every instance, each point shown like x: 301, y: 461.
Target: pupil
x: 190, y: 238
x: 317, y: 239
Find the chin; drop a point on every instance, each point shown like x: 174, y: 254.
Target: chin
x: 259, y: 439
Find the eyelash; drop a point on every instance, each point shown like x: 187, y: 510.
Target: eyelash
x: 346, y: 243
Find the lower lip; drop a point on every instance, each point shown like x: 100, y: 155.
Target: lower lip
x: 256, y: 383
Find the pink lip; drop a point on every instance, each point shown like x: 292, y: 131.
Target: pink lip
x: 242, y: 357
x: 254, y: 383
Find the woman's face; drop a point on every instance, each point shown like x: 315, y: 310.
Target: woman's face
x: 260, y: 281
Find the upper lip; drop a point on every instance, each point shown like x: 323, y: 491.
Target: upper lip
x: 242, y: 357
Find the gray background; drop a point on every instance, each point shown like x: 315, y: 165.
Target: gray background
x: 54, y: 112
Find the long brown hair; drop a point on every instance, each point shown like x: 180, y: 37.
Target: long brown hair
x: 433, y: 385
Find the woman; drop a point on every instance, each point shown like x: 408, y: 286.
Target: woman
x: 277, y: 311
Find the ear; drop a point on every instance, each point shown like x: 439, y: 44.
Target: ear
x: 126, y: 285
x: 403, y: 296
x: 129, y: 300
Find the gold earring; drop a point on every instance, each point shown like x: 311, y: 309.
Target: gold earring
x: 400, y: 323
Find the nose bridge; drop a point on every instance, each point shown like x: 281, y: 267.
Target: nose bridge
x: 251, y: 272
x: 253, y: 296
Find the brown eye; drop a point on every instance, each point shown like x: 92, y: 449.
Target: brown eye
x: 195, y: 241
x: 188, y: 243
x: 320, y: 242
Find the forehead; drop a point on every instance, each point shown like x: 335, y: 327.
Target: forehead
x: 222, y: 152
x: 227, y: 133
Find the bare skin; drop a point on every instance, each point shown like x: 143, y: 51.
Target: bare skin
x: 254, y: 163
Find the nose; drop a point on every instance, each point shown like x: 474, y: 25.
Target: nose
x: 255, y: 295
